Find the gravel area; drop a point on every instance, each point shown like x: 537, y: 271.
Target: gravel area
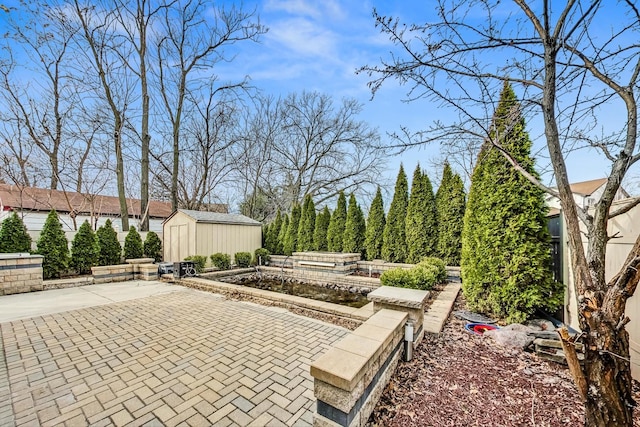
x: 458, y: 379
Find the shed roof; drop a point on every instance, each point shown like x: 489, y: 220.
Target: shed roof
x: 219, y: 218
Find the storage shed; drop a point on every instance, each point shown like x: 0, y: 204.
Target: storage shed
x: 188, y: 232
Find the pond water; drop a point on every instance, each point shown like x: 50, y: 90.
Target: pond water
x: 301, y: 289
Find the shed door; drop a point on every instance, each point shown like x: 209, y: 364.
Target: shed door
x: 179, y: 242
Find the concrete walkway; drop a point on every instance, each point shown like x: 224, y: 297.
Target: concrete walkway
x: 437, y: 314
x: 159, y: 355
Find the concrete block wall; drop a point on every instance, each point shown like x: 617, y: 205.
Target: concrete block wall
x: 350, y: 377
x: 20, y: 273
x: 112, y: 273
x: 136, y: 263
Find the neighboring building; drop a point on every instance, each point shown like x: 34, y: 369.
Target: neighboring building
x: 587, y: 193
x: 189, y: 233
x: 34, y: 204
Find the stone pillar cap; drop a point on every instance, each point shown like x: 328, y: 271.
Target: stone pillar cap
x: 413, y: 298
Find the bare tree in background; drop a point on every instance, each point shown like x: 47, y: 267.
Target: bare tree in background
x: 39, y: 109
x: 574, y: 64
x: 112, y: 83
x: 305, y: 144
x: 194, y: 43
x: 207, y: 151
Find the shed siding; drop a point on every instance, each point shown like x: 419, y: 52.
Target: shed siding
x: 177, y: 241
x: 227, y: 238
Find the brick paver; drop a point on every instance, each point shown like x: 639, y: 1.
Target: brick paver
x: 184, y: 358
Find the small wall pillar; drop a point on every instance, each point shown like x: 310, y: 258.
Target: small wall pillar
x: 20, y: 272
x: 410, y: 301
x: 135, y: 264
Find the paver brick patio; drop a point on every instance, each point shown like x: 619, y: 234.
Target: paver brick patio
x: 182, y: 358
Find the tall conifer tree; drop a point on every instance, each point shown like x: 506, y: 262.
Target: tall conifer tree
x: 84, y: 249
x: 282, y: 236
x: 53, y: 246
x: 450, y: 205
x: 14, y: 236
x: 505, y: 242
x: 375, y: 228
x: 335, y: 235
x: 291, y: 240
x: 307, y: 225
x: 321, y: 229
x: 271, y: 243
x: 421, y: 224
x: 110, y: 249
x: 355, y: 228
x: 394, y: 246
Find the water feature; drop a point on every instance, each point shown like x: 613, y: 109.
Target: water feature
x: 299, y: 288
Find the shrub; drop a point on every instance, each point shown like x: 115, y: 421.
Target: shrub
x: 152, y: 247
x: 110, y: 249
x: 398, y: 277
x: 13, y: 235
x: 199, y: 261
x: 220, y: 260
x: 394, y: 236
x: 261, y: 255
x: 84, y: 249
x: 133, y: 244
x: 429, y: 272
x: 242, y: 259
x: 53, y: 246
x: 439, y: 265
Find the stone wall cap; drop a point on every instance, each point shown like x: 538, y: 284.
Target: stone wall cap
x: 413, y: 298
x: 16, y: 255
x: 139, y: 261
x: 339, y: 368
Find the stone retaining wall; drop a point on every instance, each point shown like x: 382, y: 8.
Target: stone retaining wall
x: 323, y: 278
x: 112, y: 273
x: 68, y: 283
x: 136, y: 263
x: 351, y: 376
x: 20, y: 273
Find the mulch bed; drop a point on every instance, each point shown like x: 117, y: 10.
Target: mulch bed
x: 459, y: 379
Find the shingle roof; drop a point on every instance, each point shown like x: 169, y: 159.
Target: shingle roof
x: 41, y: 199
x: 587, y: 188
x: 219, y: 218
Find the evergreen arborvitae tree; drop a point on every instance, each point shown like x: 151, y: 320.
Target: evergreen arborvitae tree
x: 110, y: 249
x: 450, y: 205
x: 421, y: 224
x: 354, y: 229
x: 282, y: 236
x: 394, y: 242
x: 291, y: 240
x: 321, y: 230
x: 133, y: 244
x: 14, y: 237
x: 53, y: 246
x: 271, y: 243
x: 307, y: 225
x: 375, y: 228
x: 335, y: 233
x: 84, y: 249
x: 505, y: 242
x: 152, y: 247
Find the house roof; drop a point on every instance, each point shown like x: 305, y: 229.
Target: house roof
x: 41, y: 199
x: 587, y: 188
x: 219, y: 218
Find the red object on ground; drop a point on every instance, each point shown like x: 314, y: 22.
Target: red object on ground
x: 479, y: 328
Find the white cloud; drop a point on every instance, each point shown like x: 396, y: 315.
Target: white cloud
x: 303, y: 37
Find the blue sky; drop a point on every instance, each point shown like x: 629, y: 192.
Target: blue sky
x: 318, y: 45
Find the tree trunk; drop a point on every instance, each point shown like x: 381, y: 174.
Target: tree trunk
x: 609, y: 400
x: 124, y: 211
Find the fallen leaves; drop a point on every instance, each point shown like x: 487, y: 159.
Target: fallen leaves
x: 456, y: 379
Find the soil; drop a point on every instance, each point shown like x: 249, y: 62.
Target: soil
x: 459, y: 379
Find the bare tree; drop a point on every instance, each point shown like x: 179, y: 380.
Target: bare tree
x: 97, y: 35
x: 192, y: 43
x: 40, y: 107
x: 573, y: 64
x: 304, y: 144
x: 207, y: 151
